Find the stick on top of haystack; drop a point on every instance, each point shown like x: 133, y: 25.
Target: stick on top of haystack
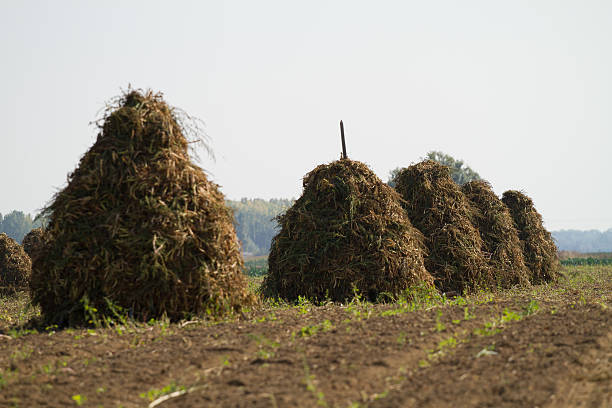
x: 344, y: 156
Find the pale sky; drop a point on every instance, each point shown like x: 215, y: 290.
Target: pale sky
x: 521, y: 90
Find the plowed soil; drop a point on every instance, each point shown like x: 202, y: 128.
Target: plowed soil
x: 546, y: 346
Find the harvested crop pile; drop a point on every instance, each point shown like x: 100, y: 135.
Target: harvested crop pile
x: 138, y: 228
x: 15, y: 266
x: 498, y: 233
x: 438, y: 208
x: 33, y: 241
x: 347, y: 230
x: 539, y: 249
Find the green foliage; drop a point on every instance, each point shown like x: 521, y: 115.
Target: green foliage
x: 256, y: 266
x: 155, y: 393
x: 79, y: 399
x: 255, y: 224
x: 532, y: 308
x: 17, y: 224
x: 460, y: 173
x: 586, y: 261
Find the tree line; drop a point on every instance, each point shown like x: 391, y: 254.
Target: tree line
x: 584, y: 241
x: 255, y: 223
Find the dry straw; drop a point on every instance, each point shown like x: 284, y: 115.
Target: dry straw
x: 15, y: 266
x: 499, y: 235
x: 438, y: 208
x: 33, y: 242
x: 347, y: 231
x: 139, y: 227
x: 539, y: 249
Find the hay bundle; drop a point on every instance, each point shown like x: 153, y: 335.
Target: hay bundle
x: 438, y: 208
x: 33, y: 242
x: 15, y: 266
x: 539, y: 249
x: 346, y: 231
x: 139, y: 226
x: 499, y: 235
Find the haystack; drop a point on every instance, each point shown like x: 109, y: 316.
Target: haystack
x: 539, y: 249
x: 499, y: 235
x: 139, y: 228
x: 15, y: 266
x: 438, y: 208
x: 347, y: 230
x: 33, y: 241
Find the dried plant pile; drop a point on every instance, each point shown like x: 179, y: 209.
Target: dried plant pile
x: 33, y: 242
x: 139, y: 227
x: 347, y: 230
x: 438, y: 208
x: 500, y: 237
x: 539, y: 249
x: 15, y: 266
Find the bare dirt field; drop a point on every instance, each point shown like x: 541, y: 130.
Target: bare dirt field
x: 545, y: 346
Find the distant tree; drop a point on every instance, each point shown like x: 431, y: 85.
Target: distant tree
x: 460, y: 173
x: 583, y: 241
x: 255, y: 223
x: 393, y: 176
x: 16, y: 224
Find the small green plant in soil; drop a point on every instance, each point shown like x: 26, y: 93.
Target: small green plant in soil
x: 79, y: 399
x: 155, y: 393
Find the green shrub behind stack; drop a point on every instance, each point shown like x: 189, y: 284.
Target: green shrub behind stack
x: 499, y: 235
x: 347, y: 230
x: 438, y: 208
x: 539, y: 249
x: 138, y: 227
x: 15, y: 266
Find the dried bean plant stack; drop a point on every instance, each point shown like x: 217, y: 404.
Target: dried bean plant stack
x: 347, y: 231
x: 15, y: 266
x: 33, y: 242
x: 139, y: 228
x: 438, y: 208
x: 499, y: 235
x: 539, y: 249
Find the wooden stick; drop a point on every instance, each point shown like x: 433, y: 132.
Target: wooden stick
x: 344, y: 156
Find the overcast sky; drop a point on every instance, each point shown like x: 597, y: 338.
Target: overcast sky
x: 521, y: 90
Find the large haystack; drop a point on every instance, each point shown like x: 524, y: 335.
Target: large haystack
x: 347, y: 230
x: 438, y: 208
x: 139, y: 226
x: 539, y: 249
x: 15, y: 266
x: 33, y: 242
x: 499, y: 235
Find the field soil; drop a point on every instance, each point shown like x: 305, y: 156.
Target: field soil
x: 545, y: 346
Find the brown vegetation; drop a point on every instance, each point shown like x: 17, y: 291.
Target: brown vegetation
x: 138, y: 227
x: 15, y: 266
x: 438, y: 208
x: 347, y: 231
x: 499, y: 235
x: 539, y: 249
x: 33, y: 241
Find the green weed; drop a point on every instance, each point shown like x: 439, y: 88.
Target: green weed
x: 154, y: 393
x: 531, y: 308
x: 310, y: 382
x: 79, y: 399
x: 308, y: 331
